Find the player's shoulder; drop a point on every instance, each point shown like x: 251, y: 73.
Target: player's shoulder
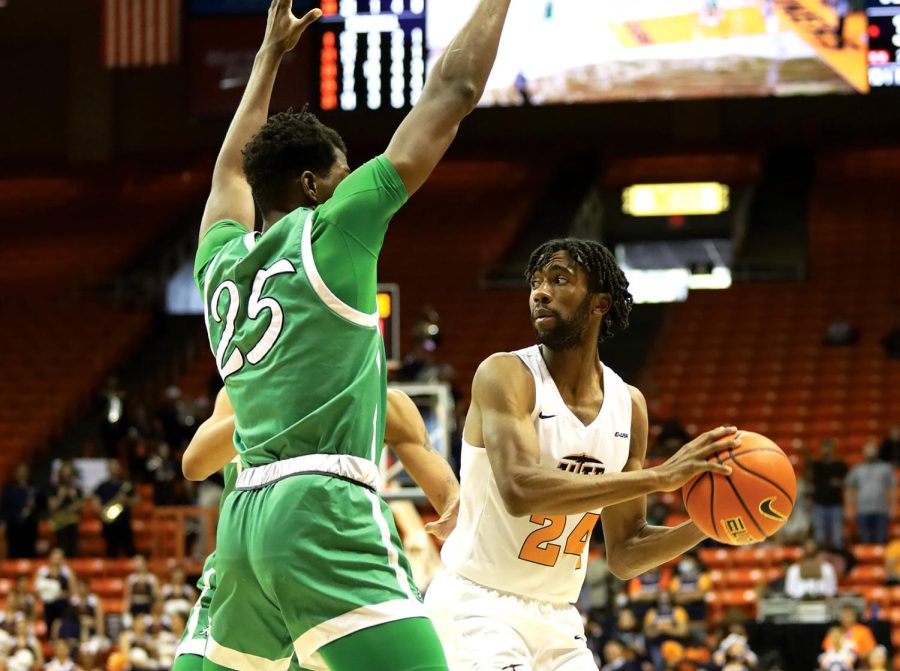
x: 638, y: 402
x: 398, y: 400
x: 504, y: 375
x: 501, y: 367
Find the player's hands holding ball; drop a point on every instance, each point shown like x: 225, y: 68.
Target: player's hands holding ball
x: 283, y: 29
x: 691, y: 459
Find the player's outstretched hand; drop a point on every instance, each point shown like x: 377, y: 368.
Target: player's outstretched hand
x: 443, y: 527
x: 283, y: 29
x: 691, y: 459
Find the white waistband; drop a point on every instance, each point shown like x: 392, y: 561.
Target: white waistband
x: 345, y: 466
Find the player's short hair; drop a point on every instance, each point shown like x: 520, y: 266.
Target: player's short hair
x: 604, y: 277
x: 289, y: 144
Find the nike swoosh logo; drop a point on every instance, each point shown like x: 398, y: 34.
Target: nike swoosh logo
x: 543, y: 416
x: 768, y: 511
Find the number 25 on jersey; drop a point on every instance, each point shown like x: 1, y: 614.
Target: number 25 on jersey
x: 256, y: 305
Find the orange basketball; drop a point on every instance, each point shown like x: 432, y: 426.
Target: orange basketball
x: 753, y: 502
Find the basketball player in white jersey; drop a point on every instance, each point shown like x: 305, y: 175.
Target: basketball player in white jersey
x: 552, y: 437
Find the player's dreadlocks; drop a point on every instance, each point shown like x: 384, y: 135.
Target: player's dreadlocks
x: 289, y: 144
x: 604, y: 277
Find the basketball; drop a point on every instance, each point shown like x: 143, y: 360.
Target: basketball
x: 753, y: 502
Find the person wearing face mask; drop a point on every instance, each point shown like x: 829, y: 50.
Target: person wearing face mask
x: 689, y: 586
x: 871, y: 495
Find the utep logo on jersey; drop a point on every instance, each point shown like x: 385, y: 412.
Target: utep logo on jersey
x: 581, y: 463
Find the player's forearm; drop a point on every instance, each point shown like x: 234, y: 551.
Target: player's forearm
x: 251, y: 114
x: 651, y: 547
x: 470, y: 56
x: 433, y: 474
x: 549, y: 491
x: 210, y: 450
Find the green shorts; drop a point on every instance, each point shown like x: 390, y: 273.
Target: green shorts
x: 196, y: 630
x: 301, y: 563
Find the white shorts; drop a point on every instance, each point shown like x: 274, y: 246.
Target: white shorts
x: 486, y: 630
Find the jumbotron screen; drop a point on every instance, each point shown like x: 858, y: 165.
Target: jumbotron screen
x: 375, y: 53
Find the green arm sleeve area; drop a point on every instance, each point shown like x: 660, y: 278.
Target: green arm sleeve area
x: 349, y: 231
x: 216, y: 237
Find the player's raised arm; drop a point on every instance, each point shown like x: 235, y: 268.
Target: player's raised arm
x: 633, y: 546
x: 455, y: 85
x: 212, y: 446
x: 407, y: 436
x: 230, y: 196
x: 504, y: 396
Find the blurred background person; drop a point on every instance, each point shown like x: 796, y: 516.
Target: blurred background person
x: 811, y: 577
x: 871, y: 496
x: 20, y: 510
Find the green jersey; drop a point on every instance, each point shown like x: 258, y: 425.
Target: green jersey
x: 293, y: 322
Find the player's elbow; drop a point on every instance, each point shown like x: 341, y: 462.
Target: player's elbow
x: 459, y: 94
x: 516, y: 502
x: 620, y: 567
x: 192, y: 467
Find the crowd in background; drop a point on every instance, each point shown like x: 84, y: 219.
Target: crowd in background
x: 656, y: 621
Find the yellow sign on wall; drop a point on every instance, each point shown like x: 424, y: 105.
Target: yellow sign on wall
x: 662, y: 200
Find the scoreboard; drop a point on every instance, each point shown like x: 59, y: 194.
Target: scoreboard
x: 884, y: 43
x: 372, y: 54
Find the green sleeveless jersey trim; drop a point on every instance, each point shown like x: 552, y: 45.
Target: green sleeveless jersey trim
x: 292, y: 322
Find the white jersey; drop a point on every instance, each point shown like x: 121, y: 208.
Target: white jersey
x: 541, y: 557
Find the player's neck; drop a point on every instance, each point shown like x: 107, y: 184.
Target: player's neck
x: 576, y: 371
x: 271, y: 217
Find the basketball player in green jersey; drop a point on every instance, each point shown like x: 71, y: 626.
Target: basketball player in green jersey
x: 212, y: 449
x: 309, y: 560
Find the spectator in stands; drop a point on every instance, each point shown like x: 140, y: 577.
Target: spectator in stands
x: 855, y: 635
x: 890, y: 447
x: 22, y: 598
x: 892, y: 562
x: 838, y: 656
x: 139, y: 646
x: 689, y: 586
x: 734, y: 650
x: 65, y: 503
x: 83, y: 618
x: 616, y: 657
x: 115, y: 497
x: 871, y: 495
x: 828, y: 477
x: 62, y: 658
x: 54, y: 584
x: 878, y: 659
x: 841, y: 332
x: 20, y: 508
x: 627, y: 630
x: 891, y: 343
x: 644, y: 589
x: 811, y: 577
x: 177, y: 595
x: 664, y: 622
x: 166, y: 641
x: 92, y: 643
x: 163, y: 471
x: 141, y: 589
x: 25, y: 653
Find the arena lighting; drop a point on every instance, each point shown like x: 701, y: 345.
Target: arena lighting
x: 662, y: 200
